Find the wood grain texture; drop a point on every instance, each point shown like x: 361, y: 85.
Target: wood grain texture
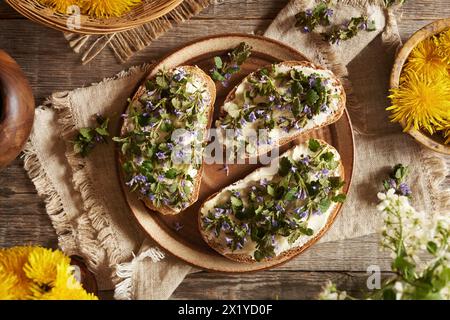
x: 51, y: 66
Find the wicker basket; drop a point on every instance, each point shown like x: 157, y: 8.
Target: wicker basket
x: 434, y: 142
x: 145, y: 12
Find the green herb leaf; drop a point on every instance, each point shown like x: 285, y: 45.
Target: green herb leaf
x: 339, y: 198
x: 314, y: 145
x: 218, y: 62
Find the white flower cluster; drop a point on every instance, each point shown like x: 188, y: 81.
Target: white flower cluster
x: 330, y: 292
x: 413, y: 232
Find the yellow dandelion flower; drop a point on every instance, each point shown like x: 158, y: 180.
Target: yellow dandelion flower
x: 61, y: 6
x: 421, y: 102
x: 12, y: 262
x: 42, y: 263
x: 7, y: 284
x: 66, y: 287
x: 425, y: 59
x: 108, y: 8
x: 443, y: 45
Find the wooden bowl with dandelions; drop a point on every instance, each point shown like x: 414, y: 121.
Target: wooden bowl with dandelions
x: 420, y: 86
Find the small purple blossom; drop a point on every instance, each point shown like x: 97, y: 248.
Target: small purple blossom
x: 252, y: 117
x: 312, y: 80
x: 151, y: 197
x: 325, y: 172
x: 279, y: 207
x: 301, y: 195
x: 229, y: 241
x: 404, y: 189
x: 272, y: 98
x: 317, y: 212
x: 293, y: 169
x: 246, y: 106
x: 178, y: 226
x: 226, y: 226
x: 161, y: 155
x: 263, y: 182
x: 305, y: 160
x: 306, y: 29
x: 259, y: 199
x: 179, y: 75
x: 160, y: 178
x: 308, y: 12
x: 274, y: 223
x: 307, y: 110
x: 226, y: 168
x: 329, y: 12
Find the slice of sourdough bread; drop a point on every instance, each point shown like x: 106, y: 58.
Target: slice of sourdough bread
x: 200, y: 82
x: 233, y: 223
x: 272, y: 99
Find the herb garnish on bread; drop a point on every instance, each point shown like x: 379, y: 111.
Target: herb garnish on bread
x: 276, y: 210
x: 164, y: 168
x: 287, y: 99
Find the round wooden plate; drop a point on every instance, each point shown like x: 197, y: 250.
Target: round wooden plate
x: 186, y: 243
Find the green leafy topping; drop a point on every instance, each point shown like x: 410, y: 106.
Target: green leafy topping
x: 265, y: 211
x: 223, y: 70
x: 88, y: 138
x: 309, y: 19
x: 160, y: 145
x: 349, y: 30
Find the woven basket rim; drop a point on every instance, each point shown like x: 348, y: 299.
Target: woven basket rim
x: 145, y: 12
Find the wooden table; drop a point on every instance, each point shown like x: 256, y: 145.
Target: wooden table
x: 52, y: 66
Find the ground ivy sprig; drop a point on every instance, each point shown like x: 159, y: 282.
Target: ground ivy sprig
x: 309, y: 19
x: 349, y: 29
x: 223, y: 70
x: 88, y: 138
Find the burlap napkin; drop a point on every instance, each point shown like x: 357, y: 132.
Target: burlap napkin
x: 92, y: 219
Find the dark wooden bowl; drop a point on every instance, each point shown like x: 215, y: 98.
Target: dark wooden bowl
x: 16, y: 109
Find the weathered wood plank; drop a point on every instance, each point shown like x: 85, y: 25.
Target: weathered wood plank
x: 269, y: 285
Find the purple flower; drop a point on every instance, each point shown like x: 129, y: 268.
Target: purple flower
x: 179, y: 75
x: 278, y: 107
x: 279, y: 207
x: 219, y: 212
x: 325, y: 172
x: 324, y: 107
x: 165, y: 201
x: 149, y: 105
x: 207, y: 221
x: 227, y: 76
x: 237, y: 194
x: 226, y: 226
x: 293, y: 169
x: 404, y: 189
x: 226, y: 168
x: 363, y: 26
x: 243, y: 122
x: 263, y: 182
x: 306, y: 29
x: 161, y: 155
x: 392, y: 183
x: 260, y: 112
x: 308, y: 12
x: 301, y: 195
x: 259, y: 199
x: 136, y: 179
x: 329, y: 12
x: 305, y: 160
x: 312, y: 80
x: 317, y: 212
x: 160, y: 178
x: 307, y: 110
x: 239, y: 245
x: 151, y: 197
x: 178, y: 226
x: 225, y: 84
x: 301, y: 213
x: 229, y: 241
x: 274, y: 223
x: 124, y: 116
x: 272, y: 98
x: 252, y: 117
x: 273, y: 239
x: 246, y: 106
